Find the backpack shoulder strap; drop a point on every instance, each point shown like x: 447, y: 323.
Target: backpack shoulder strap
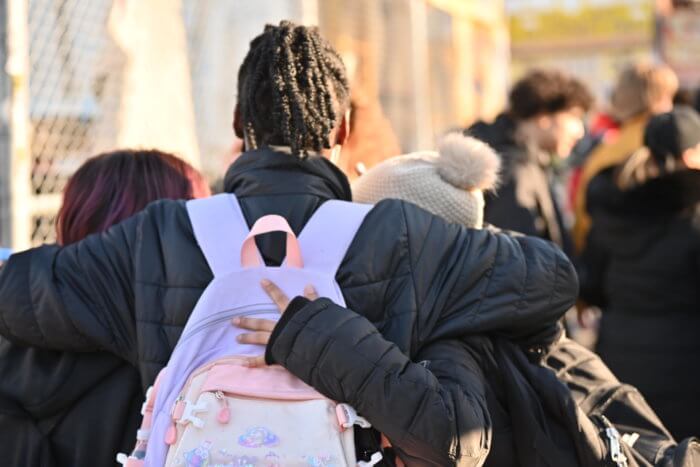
x: 220, y: 229
x: 326, y: 237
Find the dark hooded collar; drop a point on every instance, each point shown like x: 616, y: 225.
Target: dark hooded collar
x: 268, y: 171
x: 501, y: 135
x: 664, y: 196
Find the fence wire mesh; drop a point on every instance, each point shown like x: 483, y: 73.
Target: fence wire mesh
x: 79, y: 78
x: 74, y: 85
x: 5, y: 216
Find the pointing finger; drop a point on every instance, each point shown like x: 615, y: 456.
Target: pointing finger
x: 254, y: 324
x: 275, y: 294
x: 259, y: 338
x: 310, y: 292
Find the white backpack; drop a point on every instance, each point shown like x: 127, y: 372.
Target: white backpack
x: 210, y: 409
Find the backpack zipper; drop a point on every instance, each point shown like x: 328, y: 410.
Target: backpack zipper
x: 226, y: 315
x: 224, y: 414
x: 616, y: 453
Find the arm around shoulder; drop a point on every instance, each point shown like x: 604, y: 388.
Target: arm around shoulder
x: 433, y: 416
x: 76, y: 298
x: 471, y: 281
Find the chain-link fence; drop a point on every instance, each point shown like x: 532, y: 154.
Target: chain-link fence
x: 90, y: 65
x: 74, y: 75
x: 5, y: 217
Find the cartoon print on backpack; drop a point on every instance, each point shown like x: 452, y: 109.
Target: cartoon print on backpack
x: 272, y: 460
x: 322, y: 461
x: 243, y: 461
x: 238, y: 461
x: 199, y: 456
x: 258, y: 437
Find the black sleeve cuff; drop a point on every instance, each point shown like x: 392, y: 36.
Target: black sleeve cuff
x: 293, y: 308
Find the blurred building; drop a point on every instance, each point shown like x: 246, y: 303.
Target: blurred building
x: 591, y: 39
x: 83, y: 77
x: 433, y: 65
x: 678, y: 37
x: 595, y: 39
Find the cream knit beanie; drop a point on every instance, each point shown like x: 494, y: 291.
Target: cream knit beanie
x: 449, y: 183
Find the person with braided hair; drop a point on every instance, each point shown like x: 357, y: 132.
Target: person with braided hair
x: 295, y: 76
x: 413, y: 284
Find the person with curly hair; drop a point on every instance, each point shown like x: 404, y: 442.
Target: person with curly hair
x: 544, y: 121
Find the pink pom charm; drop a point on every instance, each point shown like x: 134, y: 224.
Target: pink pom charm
x: 171, y: 435
x: 224, y: 415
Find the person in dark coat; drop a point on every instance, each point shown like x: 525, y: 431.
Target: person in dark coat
x: 521, y: 384
x: 414, y: 284
x: 451, y: 183
x: 544, y: 120
x: 49, y: 399
x: 642, y: 267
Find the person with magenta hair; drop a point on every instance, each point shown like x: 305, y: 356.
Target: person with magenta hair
x: 78, y: 409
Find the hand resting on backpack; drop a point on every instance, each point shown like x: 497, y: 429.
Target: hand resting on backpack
x: 262, y: 328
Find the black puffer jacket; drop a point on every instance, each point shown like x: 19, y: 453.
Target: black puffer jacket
x: 524, y: 201
x: 409, y: 277
x: 49, y: 399
x: 469, y: 370
x: 642, y: 266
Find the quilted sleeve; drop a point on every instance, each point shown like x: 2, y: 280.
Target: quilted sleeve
x: 433, y: 413
x: 470, y: 281
x: 77, y: 298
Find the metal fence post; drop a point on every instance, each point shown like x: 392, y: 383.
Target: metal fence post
x: 5, y: 233
x: 18, y: 163
x: 309, y: 12
x: 419, y: 70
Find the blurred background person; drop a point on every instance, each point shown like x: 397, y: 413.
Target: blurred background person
x: 451, y: 183
x: 641, y: 265
x: 685, y: 96
x: 50, y: 399
x: 544, y: 120
x: 371, y: 140
x: 642, y: 90
x: 602, y: 128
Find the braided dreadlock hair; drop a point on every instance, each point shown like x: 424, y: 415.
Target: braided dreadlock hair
x: 292, y: 86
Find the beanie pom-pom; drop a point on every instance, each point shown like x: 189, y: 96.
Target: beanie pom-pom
x: 467, y: 163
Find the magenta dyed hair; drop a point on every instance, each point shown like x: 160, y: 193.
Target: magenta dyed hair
x: 111, y: 187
